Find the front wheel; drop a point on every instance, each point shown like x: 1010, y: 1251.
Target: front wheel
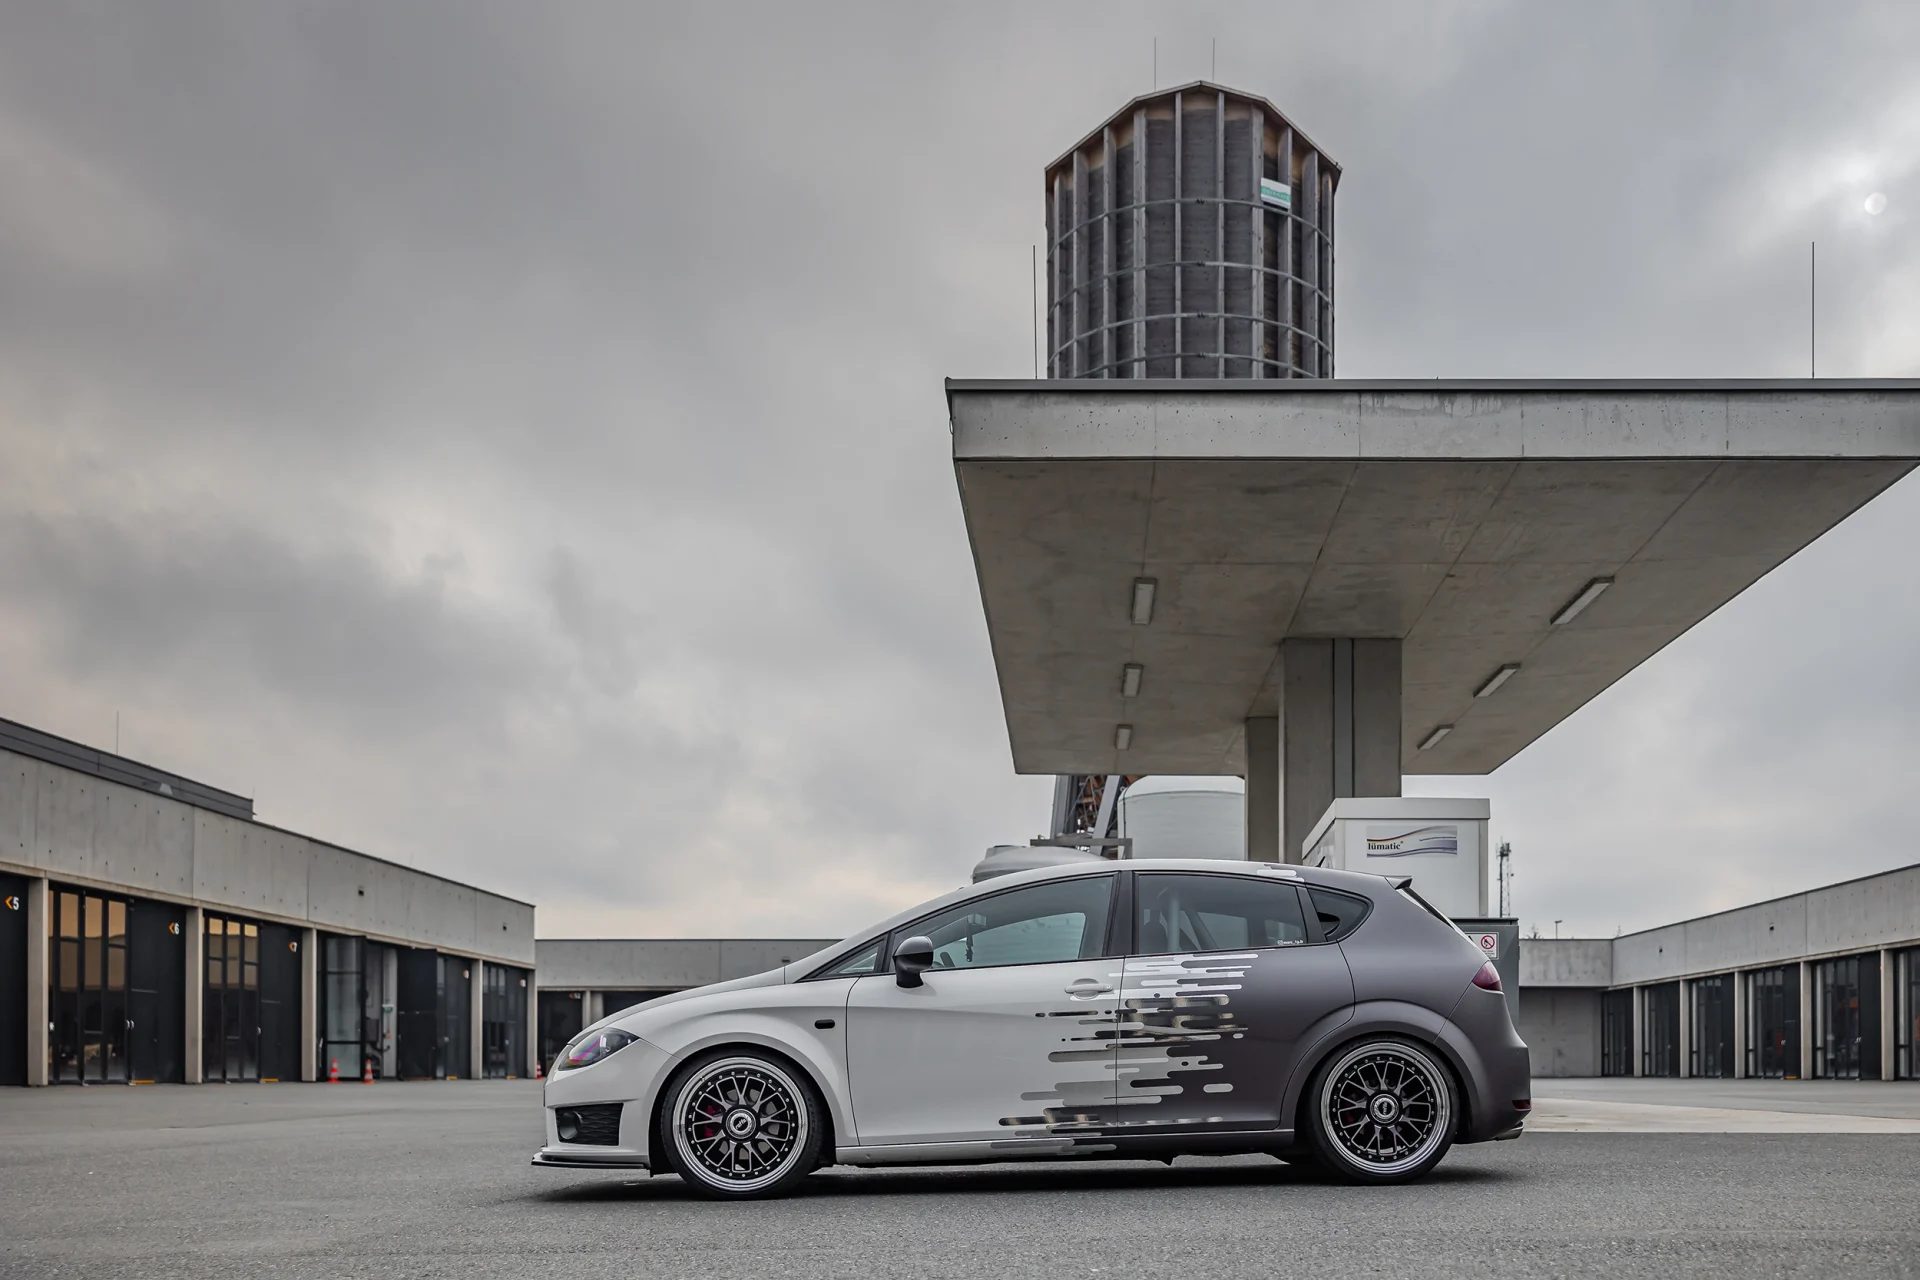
x: 1383, y: 1110
x: 740, y: 1125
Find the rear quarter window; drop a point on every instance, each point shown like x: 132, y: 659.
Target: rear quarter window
x: 1340, y: 913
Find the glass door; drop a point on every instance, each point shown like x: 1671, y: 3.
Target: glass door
x: 1836, y: 1019
x: 1772, y: 1049
x: 1710, y: 1050
x: 1906, y: 1015
x: 1660, y: 1030
x: 230, y: 1011
x: 88, y: 986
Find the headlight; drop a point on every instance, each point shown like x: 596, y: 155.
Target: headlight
x: 594, y: 1047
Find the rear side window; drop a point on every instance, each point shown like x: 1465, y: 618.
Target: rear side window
x: 1340, y: 913
x: 1187, y: 913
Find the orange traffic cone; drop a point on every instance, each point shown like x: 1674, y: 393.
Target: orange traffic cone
x: 536, y: 1069
x: 333, y: 1071
x: 366, y: 1073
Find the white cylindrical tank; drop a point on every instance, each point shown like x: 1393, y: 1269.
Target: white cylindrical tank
x: 1169, y: 816
x: 1005, y: 859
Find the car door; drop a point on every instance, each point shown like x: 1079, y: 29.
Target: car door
x: 1222, y: 984
x: 1008, y: 1038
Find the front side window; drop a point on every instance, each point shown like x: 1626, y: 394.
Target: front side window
x: 863, y: 961
x: 1063, y: 920
x: 1180, y: 913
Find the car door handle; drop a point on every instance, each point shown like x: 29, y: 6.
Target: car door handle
x: 1088, y: 987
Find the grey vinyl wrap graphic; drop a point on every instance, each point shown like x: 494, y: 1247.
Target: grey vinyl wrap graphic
x: 1199, y: 1043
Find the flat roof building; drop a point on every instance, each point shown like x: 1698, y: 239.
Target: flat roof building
x: 152, y: 930
x: 1821, y: 985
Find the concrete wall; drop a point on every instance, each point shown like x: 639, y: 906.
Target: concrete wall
x: 1566, y: 962
x: 1562, y: 1029
x: 1857, y: 915
x: 606, y: 964
x: 89, y: 831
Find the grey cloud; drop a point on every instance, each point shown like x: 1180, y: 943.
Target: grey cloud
x: 554, y: 404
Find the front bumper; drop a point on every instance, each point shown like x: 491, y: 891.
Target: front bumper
x: 629, y: 1078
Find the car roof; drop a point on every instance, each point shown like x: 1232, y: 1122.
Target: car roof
x: 1351, y: 881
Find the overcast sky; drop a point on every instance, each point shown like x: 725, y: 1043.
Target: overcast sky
x: 509, y: 439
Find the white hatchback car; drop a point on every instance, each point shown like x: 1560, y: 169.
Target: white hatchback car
x: 1133, y: 1009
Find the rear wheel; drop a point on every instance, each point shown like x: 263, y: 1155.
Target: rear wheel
x: 740, y: 1124
x: 1382, y: 1110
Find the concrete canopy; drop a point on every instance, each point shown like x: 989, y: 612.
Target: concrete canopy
x: 1457, y: 517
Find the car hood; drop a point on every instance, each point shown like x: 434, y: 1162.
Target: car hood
x: 637, y: 1018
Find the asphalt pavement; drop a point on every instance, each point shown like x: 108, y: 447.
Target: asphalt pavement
x: 421, y: 1180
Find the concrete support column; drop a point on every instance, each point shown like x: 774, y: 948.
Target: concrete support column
x: 1639, y: 1030
x: 1807, y: 1028
x: 1263, y: 790
x: 533, y: 1027
x: 1340, y: 728
x: 1686, y: 1028
x: 39, y: 1017
x: 1740, y: 1037
x: 590, y: 1004
x: 195, y: 1066
x: 1889, y: 1028
x: 476, y: 1033
x: 309, y: 1004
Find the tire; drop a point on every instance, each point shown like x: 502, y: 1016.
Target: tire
x: 1382, y: 1110
x: 739, y: 1124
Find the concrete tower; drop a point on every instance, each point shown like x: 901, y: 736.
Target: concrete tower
x: 1191, y: 236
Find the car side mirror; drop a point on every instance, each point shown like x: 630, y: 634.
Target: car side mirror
x: 912, y: 958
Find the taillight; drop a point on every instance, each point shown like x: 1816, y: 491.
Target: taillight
x: 1488, y: 979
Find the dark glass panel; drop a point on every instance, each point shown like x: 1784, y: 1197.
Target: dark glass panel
x: 68, y: 962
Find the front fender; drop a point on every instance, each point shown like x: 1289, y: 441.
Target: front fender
x: 783, y: 1023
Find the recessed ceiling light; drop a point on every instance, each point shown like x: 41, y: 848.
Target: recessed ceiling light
x: 1122, y: 736
x: 1130, y: 680
x: 1588, y: 594
x: 1497, y: 679
x: 1436, y: 735
x: 1143, y: 589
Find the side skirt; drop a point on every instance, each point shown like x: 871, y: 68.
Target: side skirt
x: 1090, y: 1147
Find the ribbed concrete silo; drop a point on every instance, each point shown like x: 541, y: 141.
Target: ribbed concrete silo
x: 1191, y: 236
